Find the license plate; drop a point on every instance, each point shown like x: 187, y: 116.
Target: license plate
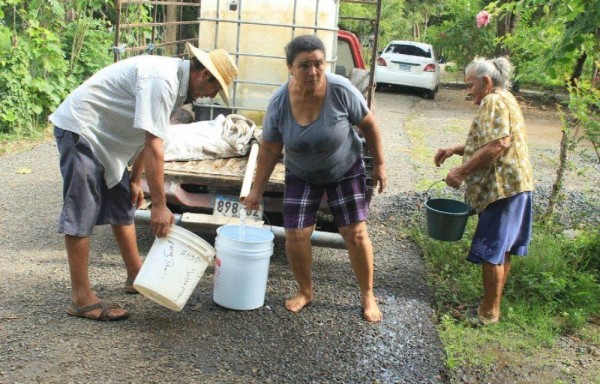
x: 404, y: 67
x: 230, y: 206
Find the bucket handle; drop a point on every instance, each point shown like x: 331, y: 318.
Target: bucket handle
x: 264, y: 215
x: 471, y: 212
x: 268, y: 221
x: 431, y: 186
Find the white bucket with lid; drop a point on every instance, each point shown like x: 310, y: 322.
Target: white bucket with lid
x: 242, y: 266
x: 173, y: 268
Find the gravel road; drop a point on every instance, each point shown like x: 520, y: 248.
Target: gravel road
x: 326, y: 343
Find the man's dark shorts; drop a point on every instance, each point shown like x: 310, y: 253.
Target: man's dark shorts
x: 87, y: 200
x: 346, y: 199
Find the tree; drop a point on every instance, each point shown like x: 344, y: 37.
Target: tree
x: 564, y: 35
x: 458, y: 36
x: 506, y: 24
x: 46, y: 48
x: 420, y: 13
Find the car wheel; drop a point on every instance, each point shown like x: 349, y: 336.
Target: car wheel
x: 429, y: 94
x: 377, y: 87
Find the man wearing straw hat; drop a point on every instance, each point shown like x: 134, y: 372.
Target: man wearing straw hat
x: 116, y: 119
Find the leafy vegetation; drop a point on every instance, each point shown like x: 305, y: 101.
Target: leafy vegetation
x: 457, y: 36
x: 43, y: 55
x: 48, y: 47
x: 552, y: 292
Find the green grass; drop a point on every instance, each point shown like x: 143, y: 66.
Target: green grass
x: 552, y: 292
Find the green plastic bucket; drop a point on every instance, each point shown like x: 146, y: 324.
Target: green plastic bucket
x: 446, y: 218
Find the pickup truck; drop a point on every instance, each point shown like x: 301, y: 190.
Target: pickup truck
x: 213, y: 186
x: 204, y: 194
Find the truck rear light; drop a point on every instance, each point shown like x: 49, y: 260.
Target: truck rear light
x: 429, y: 68
x: 381, y: 61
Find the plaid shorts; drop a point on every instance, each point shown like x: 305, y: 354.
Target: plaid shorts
x: 346, y: 198
x: 87, y: 199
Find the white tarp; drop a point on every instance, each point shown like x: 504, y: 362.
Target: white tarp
x: 212, y: 139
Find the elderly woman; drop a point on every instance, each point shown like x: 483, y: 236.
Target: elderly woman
x: 497, y: 175
x: 312, y: 115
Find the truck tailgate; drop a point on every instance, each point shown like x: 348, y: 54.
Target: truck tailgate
x: 220, y: 173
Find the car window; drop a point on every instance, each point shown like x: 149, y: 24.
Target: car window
x: 410, y: 50
x: 345, y: 61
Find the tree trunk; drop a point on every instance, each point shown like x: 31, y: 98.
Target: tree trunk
x: 578, y: 69
x: 560, y: 174
x: 171, y: 30
x: 506, y: 24
x: 567, y: 143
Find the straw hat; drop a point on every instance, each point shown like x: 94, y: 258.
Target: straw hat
x: 219, y: 64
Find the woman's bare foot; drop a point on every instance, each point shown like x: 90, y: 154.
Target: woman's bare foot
x: 371, y: 311
x: 297, y: 302
x: 488, y: 318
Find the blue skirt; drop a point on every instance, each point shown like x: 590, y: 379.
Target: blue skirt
x: 504, y: 227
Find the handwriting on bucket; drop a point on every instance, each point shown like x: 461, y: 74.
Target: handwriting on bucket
x: 170, y: 257
x: 190, y: 276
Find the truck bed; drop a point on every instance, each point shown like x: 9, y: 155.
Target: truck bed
x: 219, y: 173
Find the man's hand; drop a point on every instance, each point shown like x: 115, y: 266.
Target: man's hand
x: 161, y: 219
x: 137, y: 194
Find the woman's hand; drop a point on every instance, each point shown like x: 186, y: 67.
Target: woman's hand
x: 379, y: 177
x: 252, y: 201
x: 444, y: 153
x: 455, y: 177
x: 441, y: 156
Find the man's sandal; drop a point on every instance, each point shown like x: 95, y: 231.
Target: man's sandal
x: 83, y: 312
x: 129, y: 289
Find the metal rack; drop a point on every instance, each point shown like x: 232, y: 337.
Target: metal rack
x: 134, y: 37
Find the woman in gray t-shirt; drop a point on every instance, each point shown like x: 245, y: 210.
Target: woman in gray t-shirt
x: 312, y: 115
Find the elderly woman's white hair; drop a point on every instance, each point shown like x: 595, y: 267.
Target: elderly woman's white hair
x: 498, y: 69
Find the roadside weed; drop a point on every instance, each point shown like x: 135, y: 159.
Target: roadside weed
x: 552, y: 292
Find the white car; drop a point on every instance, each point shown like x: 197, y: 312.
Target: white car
x: 411, y: 64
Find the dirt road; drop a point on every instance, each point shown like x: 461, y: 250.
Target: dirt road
x: 326, y: 342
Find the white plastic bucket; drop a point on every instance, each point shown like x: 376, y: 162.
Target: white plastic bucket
x: 242, y: 267
x: 173, y: 268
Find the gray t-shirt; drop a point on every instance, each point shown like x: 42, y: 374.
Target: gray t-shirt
x: 323, y: 151
x: 114, y: 108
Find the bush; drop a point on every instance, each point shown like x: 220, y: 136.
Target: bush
x: 32, y: 81
x: 42, y: 59
x: 560, y: 278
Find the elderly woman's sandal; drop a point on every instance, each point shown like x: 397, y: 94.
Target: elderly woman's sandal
x: 105, y: 315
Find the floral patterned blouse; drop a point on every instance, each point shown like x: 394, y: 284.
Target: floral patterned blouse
x: 499, y: 116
